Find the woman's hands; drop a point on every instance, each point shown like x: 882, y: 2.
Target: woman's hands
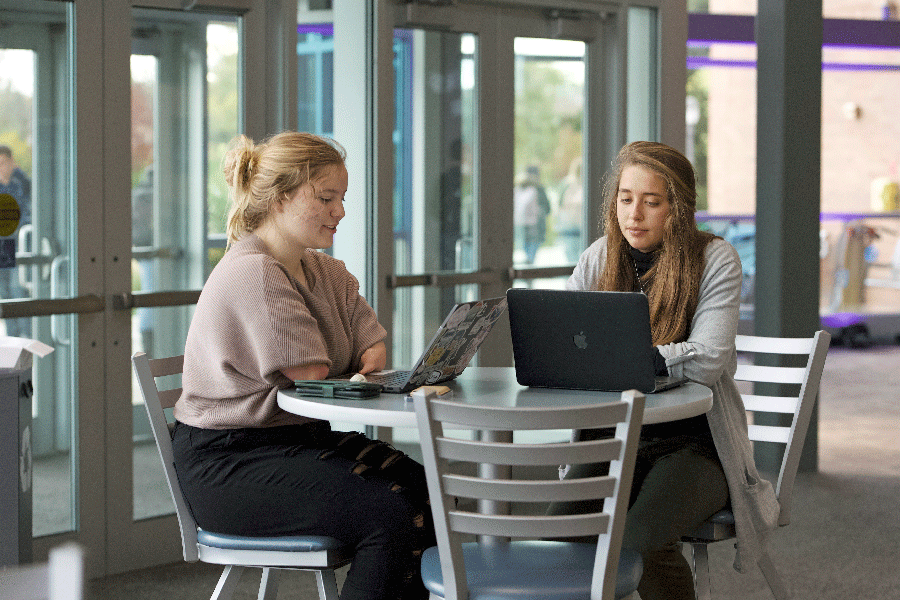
x: 373, y: 359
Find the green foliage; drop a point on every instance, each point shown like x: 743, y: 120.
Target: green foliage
x: 548, y: 125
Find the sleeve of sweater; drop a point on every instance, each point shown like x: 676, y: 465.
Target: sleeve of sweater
x: 587, y: 271
x: 709, y: 348
x: 364, y: 324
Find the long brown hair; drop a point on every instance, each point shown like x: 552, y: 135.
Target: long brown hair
x: 673, y: 283
x: 260, y: 175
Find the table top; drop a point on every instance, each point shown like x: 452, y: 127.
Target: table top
x: 491, y: 386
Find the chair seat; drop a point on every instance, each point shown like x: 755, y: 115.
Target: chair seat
x: 718, y: 527
x: 299, y: 543
x: 531, y: 569
x: 723, y: 517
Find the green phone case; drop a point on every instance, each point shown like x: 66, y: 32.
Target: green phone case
x: 338, y: 388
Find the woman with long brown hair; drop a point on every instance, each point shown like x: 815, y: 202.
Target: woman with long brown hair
x: 686, y: 470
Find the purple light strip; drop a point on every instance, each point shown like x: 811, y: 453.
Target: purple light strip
x: 320, y: 28
x: 825, y: 216
x: 705, y: 29
x: 698, y: 62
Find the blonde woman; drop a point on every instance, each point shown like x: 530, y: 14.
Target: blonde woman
x: 690, y: 469
x: 274, y: 310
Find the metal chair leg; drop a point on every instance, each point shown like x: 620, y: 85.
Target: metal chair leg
x: 327, y: 584
x: 227, y: 583
x: 773, y: 578
x: 701, y: 571
x: 268, y: 584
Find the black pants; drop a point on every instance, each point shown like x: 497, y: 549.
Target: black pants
x: 309, y: 480
x: 677, y: 485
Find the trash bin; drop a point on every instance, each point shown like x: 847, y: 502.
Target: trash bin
x: 16, y: 459
x: 15, y: 466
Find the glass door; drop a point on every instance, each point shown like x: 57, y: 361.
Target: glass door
x: 115, y: 120
x: 491, y: 109
x: 185, y: 107
x: 39, y: 298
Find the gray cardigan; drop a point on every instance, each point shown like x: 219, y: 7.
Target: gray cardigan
x: 709, y: 357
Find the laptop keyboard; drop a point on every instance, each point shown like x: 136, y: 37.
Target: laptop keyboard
x: 397, y: 378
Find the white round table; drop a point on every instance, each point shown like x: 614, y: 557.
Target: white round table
x: 491, y: 386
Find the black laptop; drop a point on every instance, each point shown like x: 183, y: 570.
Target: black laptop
x: 584, y: 340
x: 453, y: 346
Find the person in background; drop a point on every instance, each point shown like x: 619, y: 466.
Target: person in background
x: 530, y: 209
x: 275, y: 310
x: 16, y: 183
x: 569, y: 217
x: 686, y: 470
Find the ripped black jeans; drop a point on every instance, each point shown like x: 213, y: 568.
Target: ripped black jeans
x: 309, y: 480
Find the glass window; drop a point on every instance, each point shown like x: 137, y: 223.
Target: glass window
x: 643, y: 74
x: 548, y: 207
x: 315, y: 80
x: 37, y: 256
x: 184, y: 114
x: 434, y: 203
x: 860, y: 149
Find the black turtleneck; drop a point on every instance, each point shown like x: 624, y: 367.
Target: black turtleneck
x: 643, y: 261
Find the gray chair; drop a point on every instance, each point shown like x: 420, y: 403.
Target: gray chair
x: 528, y: 568
x: 60, y: 578
x: 720, y: 526
x: 306, y: 552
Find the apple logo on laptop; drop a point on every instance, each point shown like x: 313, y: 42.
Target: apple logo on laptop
x: 580, y: 341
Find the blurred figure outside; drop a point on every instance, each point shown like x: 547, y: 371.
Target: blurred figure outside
x: 530, y: 209
x: 569, y: 217
x: 13, y: 182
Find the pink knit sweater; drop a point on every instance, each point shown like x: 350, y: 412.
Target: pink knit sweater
x: 253, y: 320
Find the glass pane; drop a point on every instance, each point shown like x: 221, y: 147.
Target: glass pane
x: 315, y: 78
x: 728, y: 7
x: 642, y: 121
x: 859, y: 243
x: 36, y: 255
x: 434, y: 203
x: 179, y: 197
x: 722, y: 148
x: 548, y: 208
x: 860, y: 226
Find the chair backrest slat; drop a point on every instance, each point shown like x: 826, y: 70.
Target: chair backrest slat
x: 506, y: 418
x: 528, y: 526
x: 773, y: 345
x: 527, y: 485
x: 460, y: 486
x: 773, y: 404
x: 147, y: 371
x: 769, y: 433
x: 168, y: 398
x: 770, y: 374
x: 538, y: 454
x: 172, y: 365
